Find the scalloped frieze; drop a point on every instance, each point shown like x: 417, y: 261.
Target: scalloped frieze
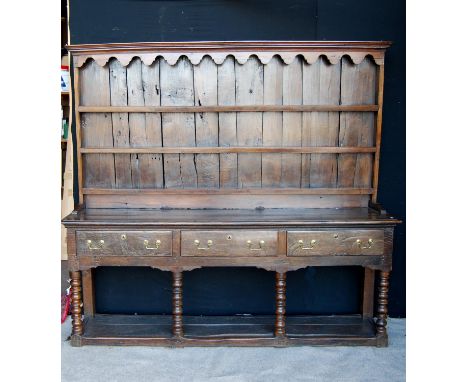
x: 219, y: 57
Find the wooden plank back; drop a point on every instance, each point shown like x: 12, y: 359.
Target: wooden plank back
x: 206, y: 124
x: 96, y: 129
x: 152, y: 174
x: 292, y: 124
x: 119, y: 146
x: 249, y: 91
x: 272, y: 122
x: 178, y: 128
x: 120, y: 125
x: 321, y: 87
x: 356, y: 129
x: 227, y: 123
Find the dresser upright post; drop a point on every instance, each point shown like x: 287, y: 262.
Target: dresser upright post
x: 280, y: 324
x: 382, y: 303
x: 177, y: 284
x: 76, y: 308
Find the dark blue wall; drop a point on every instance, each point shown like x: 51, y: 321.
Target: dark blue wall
x: 218, y: 291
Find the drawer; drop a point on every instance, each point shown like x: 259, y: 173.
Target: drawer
x: 229, y: 243
x: 124, y: 243
x: 327, y: 243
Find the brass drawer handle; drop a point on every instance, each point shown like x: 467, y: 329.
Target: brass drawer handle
x: 370, y: 242
x: 146, y: 243
x: 209, y: 243
x: 312, y: 245
x: 92, y: 246
x: 261, y: 244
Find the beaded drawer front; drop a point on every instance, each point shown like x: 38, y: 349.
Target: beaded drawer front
x: 326, y: 243
x: 124, y: 243
x: 240, y: 243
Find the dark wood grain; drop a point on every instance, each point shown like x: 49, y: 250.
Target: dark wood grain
x: 124, y: 243
x: 242, y: 243
x: 269, y: 263
x: 89, y: 306
x: 336, y: 242
x: 228, y: 154
x: 368, y: 293
x: 230, y: 217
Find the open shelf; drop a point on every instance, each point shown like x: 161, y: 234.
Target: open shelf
x: 128, y: 326
x: 330, y: 326
x: 242, y: 330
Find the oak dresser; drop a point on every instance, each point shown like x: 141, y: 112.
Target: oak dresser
x: 221, y: 154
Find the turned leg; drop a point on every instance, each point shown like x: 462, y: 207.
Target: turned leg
x: 76, y: 307
x: 382, y: 302
x: 177, y: 327
x: 280, y: 324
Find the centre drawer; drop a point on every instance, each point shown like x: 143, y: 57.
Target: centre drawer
x: 229, y: 243
x: 326, y: 243
x: 124, y: 243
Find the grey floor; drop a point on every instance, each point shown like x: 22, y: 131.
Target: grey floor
x: 105, y: 363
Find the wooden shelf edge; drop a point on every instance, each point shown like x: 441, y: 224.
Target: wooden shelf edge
x: 230, y: 191
x: 227, y: 149
x: 228, y: 109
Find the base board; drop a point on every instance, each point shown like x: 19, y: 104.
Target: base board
x: 156, y: 330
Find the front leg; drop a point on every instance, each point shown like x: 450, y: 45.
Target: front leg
x: 382, y: 310
x: 280, y: 324
x: 177, y: 323
x: 76, y: 308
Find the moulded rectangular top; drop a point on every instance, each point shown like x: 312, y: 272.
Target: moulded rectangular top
x: 219, y: 50
x: 228, y: 45
x: 226, y: 217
